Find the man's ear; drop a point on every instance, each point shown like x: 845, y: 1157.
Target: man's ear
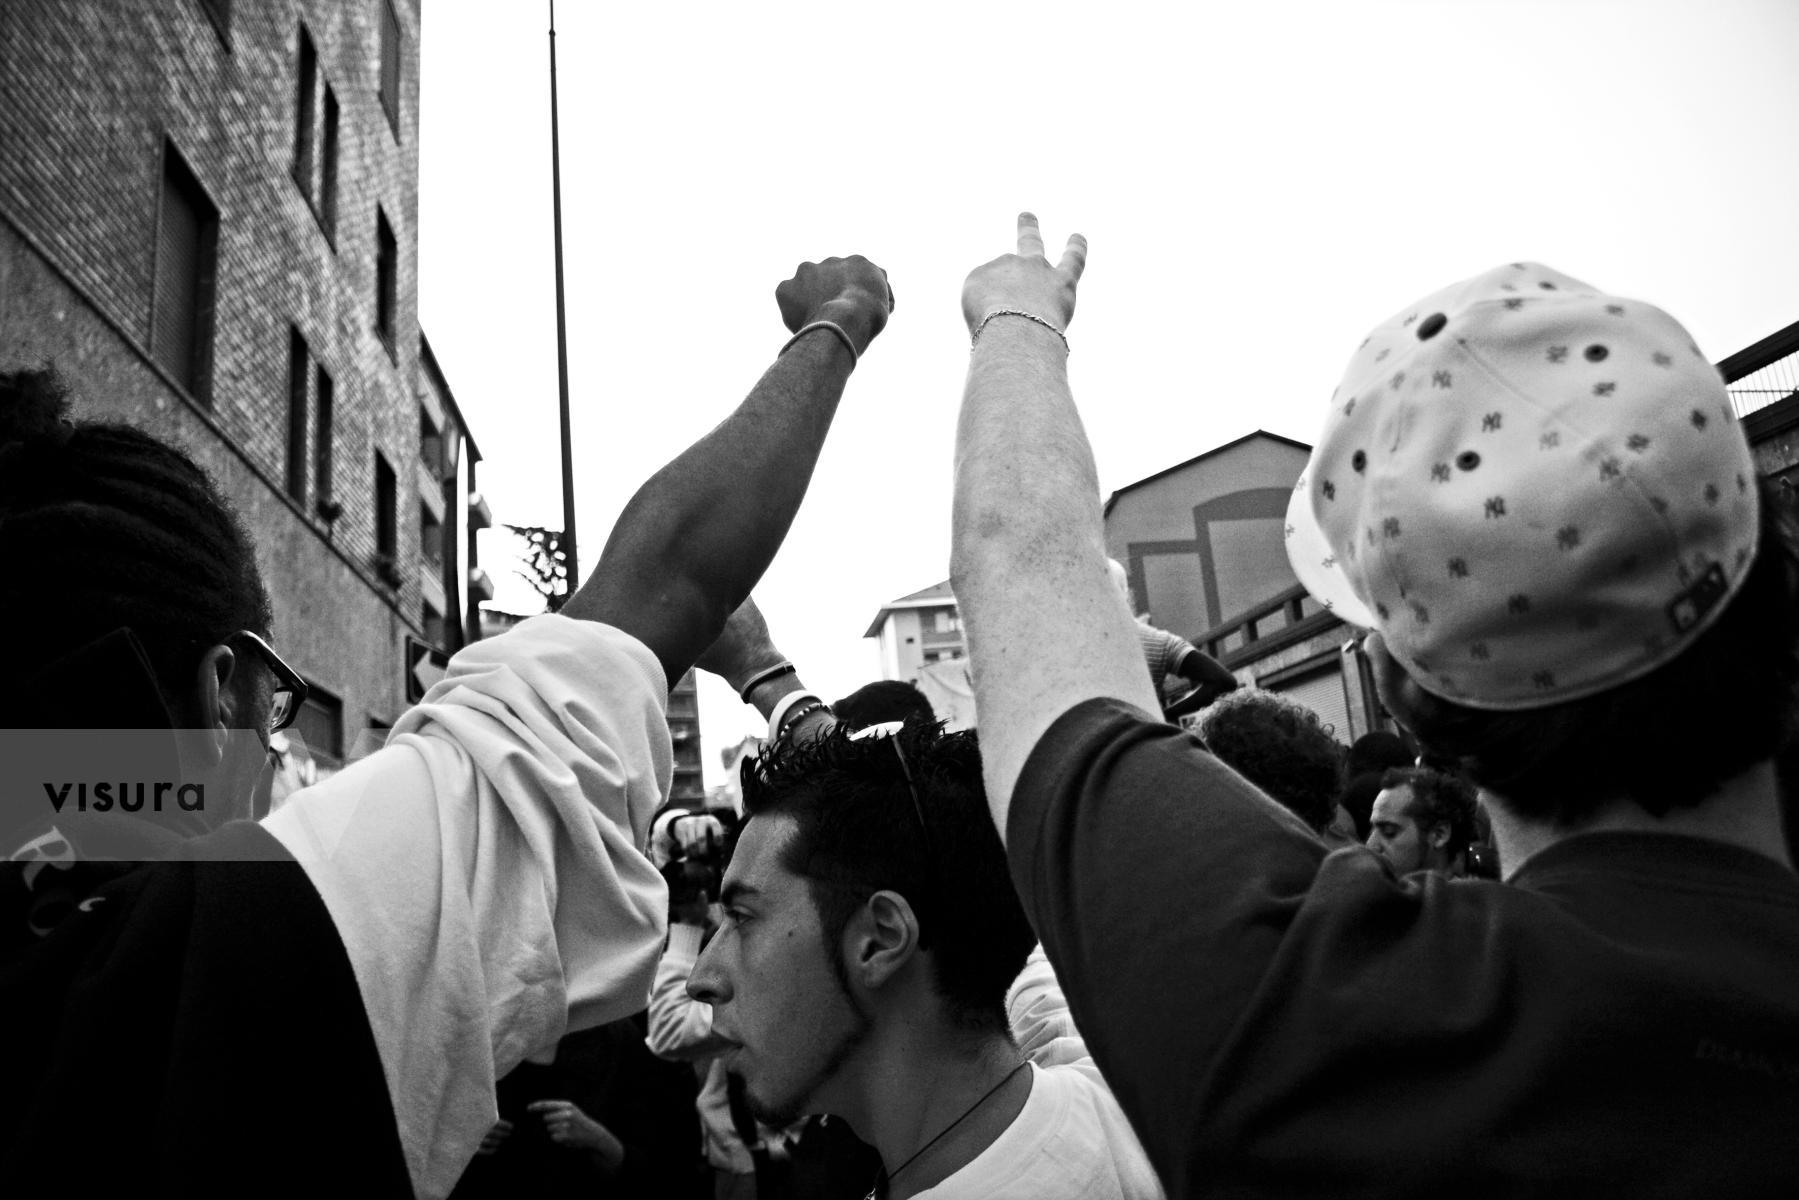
x: 212, y: 700
x: 1397, y: 689
x: 880, y: 939
x: 1437, y: 836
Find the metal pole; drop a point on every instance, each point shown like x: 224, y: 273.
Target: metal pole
x: 568, y: 455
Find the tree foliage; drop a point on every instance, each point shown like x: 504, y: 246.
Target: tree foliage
x: 546, y: 567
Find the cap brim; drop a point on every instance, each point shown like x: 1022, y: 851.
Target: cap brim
x: 1316, y: 564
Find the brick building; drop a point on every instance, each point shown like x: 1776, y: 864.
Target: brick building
x: 208, y: 223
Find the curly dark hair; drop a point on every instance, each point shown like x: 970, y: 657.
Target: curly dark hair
x: 109, y: 527
x: 1724, y: 704
x: 1279, y: 745
x: 1438, y: 798
x: 859, y: 832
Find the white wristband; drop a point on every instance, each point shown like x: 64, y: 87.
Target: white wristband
x: 782, y: 707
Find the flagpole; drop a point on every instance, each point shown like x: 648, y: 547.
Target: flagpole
x: 568, y: 457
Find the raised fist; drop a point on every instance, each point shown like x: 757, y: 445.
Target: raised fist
x: 851, y: 291
x: 1026, y: 280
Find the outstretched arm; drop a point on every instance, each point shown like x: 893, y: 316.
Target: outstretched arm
x: 1046, y: 627
x: 697, y: 536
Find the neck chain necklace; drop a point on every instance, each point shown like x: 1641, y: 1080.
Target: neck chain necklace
x: 875, y: 1191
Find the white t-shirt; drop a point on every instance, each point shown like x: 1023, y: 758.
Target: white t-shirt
x: 486, y: 874
x: 1071, y: 1139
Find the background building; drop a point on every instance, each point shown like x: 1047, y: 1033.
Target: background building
x: 1204, y: 545
x: 918, y: 629
x: 208, y: 223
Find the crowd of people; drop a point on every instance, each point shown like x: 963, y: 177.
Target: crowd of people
x: 1546, y: 943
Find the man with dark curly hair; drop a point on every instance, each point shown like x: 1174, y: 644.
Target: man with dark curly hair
x: 1423, y: 820
x: 1279, y: 745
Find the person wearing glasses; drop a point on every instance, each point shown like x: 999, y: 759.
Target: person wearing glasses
x: 327, y: 997
x: 874, y: 963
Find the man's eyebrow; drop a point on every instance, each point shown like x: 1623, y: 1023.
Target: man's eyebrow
x: 735, y: 891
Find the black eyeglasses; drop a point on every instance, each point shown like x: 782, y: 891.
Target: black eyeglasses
x: 290, y: 689
x: 891, y: 734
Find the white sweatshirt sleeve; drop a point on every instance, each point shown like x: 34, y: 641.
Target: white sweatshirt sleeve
x: 485, y: 869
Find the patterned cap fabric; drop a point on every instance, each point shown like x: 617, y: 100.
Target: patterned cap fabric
x: 1533, y: 490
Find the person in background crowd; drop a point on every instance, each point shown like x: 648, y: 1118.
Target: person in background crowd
x: 1538, y: 498
x: 364, y: 989
x: 1283, y: 748
x: 882, y: 701
x: 1423, y: 820
x: 605, y: 1120
x: 1169, y: 654
x: 869, y: 892
x: 1370, y: 756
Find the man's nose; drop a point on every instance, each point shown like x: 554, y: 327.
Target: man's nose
x: 707, y: 983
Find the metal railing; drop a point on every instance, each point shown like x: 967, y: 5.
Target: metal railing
x: 1765, y: 373
x: 1279, y: 621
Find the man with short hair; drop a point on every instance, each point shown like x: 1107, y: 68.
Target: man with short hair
x: 1538, y: 498
x: 874, y: 962
x: 1423, y: 820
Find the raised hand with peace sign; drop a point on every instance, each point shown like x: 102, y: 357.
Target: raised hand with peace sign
x: 1025, y: 284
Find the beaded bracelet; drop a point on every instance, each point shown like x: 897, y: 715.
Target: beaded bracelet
x: 800, y: 714
x: 835, y: 328
x: 1015, y: 312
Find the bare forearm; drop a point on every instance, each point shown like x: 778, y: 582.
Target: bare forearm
x: 1046, y: 628
x: 1029, y: 561
x: 695, y: 538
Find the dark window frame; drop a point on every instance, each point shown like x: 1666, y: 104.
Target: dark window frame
x: 392, y: 66
x: 326, y: 210
x: 299, y: 375
x: 387, y: 282
x: 387, y: 520
x: 177, y: 180
x: 219, y: 13
x: 316, y: 137
x: 325, y: 496
x: 305, y: 113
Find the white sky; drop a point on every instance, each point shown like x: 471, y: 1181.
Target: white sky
x: 1260, y: 183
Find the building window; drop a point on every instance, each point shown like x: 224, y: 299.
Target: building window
x: 315, y: 139
x: 299, y: 364
x: 431, y: 537
x: 431, y: 444
x: 322, y: 490
x: 386, y: 253
x: 305, y: 113
x: 433, y: 623
x: 219, y: 13
x: 390, y: 65
x: 948, y: 621
x: 386, y: 521
x: 187, y: 240
x: 328, y: 169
